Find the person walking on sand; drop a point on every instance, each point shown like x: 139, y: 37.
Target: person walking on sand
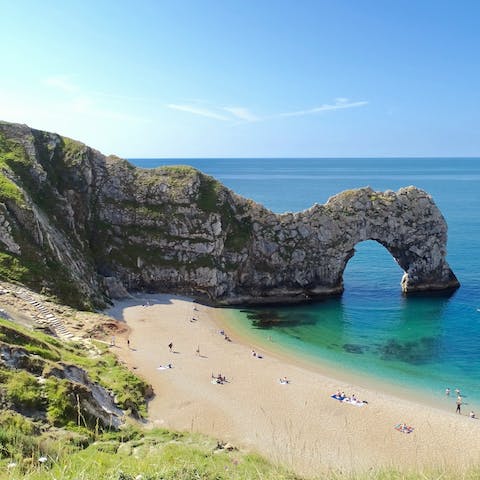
x: 128, y: 343
x: 459, y: 404
x: 197, y: 351
x: 170, y: 346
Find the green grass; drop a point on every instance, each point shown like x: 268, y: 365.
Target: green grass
x: 208, y: 194
x: 159, y: 454
x: 22, y: 389
x: 10, y: 191
x: 46, y: 354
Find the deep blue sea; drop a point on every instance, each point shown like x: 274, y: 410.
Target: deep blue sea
x: 422, y: 344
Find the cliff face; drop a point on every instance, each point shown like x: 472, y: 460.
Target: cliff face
x: 87, y: 227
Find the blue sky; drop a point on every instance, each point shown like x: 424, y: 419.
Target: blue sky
x: 246, y: 78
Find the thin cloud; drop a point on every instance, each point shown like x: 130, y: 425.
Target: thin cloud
x: 243, y: 114
x: 198, y: 111
x: 246, y: 116
x: 339, y: 104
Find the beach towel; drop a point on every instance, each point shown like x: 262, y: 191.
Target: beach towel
x: 337, y: 397
x: 164, y: 367
x: 357, y: 403
x: 403, y: 428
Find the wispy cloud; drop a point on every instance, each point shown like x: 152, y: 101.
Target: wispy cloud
x: 339, y: 104
x: 244, y: 115
x: 204, y: 112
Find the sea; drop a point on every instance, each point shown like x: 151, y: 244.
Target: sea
x: 413, y: 346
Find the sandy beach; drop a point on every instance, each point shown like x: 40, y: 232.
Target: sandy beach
x: 298, y: 424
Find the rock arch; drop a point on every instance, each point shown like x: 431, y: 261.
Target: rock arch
x: 321, y: 240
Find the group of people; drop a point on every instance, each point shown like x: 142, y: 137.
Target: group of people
x: 343, y: 397
x: 225, y: 336
x: 459, y: 402
x: 220, y: 379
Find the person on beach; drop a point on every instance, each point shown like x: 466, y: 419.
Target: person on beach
x: 170, y: 346
x: 128, y: 343
x: 457, y: 392
x: 472, y: 414
x: 459, y: 404
x: 197, y: 351
x: 447, y: 392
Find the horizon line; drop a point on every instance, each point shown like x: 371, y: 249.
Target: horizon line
x: 309, y: 157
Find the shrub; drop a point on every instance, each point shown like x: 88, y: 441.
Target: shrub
x: 24, y: 392
x: 61, y: 408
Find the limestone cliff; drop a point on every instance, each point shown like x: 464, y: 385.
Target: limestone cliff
x: 89, y: 227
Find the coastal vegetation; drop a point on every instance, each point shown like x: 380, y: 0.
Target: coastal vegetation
x: 36, y: 384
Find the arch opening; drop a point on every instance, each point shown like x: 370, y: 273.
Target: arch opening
x: 372, y: 268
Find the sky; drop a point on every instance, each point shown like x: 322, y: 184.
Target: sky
x: 225, y: 78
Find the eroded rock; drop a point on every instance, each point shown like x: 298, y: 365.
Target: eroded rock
x: 109, y: 227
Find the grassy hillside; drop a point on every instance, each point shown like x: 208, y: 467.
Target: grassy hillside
x: 45, y: 433
x: 35, y: 387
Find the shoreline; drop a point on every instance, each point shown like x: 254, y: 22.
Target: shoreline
x: 296, y: 425
x: 340, y: 373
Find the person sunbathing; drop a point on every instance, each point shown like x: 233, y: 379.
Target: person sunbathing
x: 165, y: 367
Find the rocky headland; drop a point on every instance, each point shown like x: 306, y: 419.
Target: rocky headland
x: 88, y: 228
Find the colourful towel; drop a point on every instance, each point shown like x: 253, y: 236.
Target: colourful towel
x: 403, y: 429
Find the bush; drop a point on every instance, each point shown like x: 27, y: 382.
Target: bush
x: 17, y: 435
x: 24, y: 392
x: 61, y: 408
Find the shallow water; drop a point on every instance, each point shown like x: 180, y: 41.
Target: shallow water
x: 423, y: 343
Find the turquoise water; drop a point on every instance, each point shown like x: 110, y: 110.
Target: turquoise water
x: 424, y: 343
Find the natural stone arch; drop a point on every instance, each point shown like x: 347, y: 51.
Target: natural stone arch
x: 319, y: 242
x: 412, y: 229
